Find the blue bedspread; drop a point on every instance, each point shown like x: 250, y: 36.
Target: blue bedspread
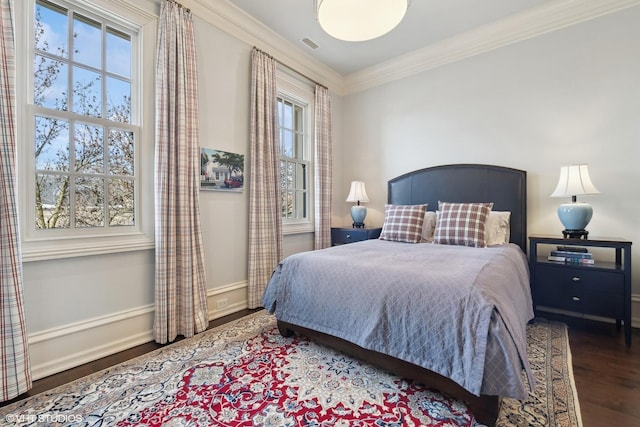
x: 458, y: 311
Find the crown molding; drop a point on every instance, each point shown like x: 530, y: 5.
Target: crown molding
x: 545, y: 18
x: 237, y: 23
x: 534, y: 22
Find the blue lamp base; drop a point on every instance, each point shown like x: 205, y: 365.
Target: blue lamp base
x: 358, y: 214
x: 575, y: 217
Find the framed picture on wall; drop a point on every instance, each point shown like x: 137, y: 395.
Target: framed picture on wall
x: 221, y: 170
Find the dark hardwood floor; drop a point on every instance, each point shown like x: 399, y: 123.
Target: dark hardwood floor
x: 606, y: 371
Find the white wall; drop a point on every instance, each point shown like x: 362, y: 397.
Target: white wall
x: 570, y: 96
x: 224, y: 71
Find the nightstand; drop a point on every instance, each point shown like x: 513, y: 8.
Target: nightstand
x: 340, y: 236
x: 599, y: 289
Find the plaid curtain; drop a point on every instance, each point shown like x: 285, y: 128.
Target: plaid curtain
x: 265, y: 221
x: 181, y: 287
x: 323, y: 168
x: 15, y: 371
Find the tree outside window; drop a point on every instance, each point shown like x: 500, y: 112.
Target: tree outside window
x: 84, y: 135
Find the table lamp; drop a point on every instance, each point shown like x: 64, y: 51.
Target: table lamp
x: 574, y: 181
x: 358, y: 194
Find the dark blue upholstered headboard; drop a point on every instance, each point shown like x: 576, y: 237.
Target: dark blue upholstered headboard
x: 505, y: 187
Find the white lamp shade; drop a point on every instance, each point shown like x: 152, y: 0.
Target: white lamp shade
x: 360, y: 20
x: 357, y: 193
x: 574, y: 181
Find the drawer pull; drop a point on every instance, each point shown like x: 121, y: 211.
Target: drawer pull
x: 348, y: 236
x: 575, y: 279
x: 576, y: 299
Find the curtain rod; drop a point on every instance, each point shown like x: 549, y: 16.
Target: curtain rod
x: 290, y: 68
x: 180, y: 5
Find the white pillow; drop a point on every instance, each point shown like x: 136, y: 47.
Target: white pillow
x: 497, y: 228
x: 428, y: 227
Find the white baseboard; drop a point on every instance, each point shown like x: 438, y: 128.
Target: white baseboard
x: 227, y: 299
x: 57, y: 349
x: 71, y: 345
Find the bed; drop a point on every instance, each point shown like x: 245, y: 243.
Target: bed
x: 448, y: 315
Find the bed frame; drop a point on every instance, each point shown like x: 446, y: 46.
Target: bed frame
x: 507, y: 189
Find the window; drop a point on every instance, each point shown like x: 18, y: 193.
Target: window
x: 83, y: 126
x: 293, y: 166
x: 296, y: 136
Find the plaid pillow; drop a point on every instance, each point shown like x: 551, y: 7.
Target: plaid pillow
x: 403, y: 223
x: 462, y: 224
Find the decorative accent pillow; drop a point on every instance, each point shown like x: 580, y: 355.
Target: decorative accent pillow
x: 462, y: 224
x: 403, y: 223
x: 498, y: 228
x: 429, y: 226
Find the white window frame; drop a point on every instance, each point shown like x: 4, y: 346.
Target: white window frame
x: 39, y: 244
x: 293, y: 87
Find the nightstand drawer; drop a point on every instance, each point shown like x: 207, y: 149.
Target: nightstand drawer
x: 585, y: 279
x: 592, y: 292
x: 341, y: 236
x: 572, y: 298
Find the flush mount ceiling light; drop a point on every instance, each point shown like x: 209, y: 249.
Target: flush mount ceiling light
x: 360, y: 20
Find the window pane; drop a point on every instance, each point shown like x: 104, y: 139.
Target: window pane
x: 51, y: 144
x: 121, y: 202
x: 89, y: 202
x: 50, y: 83
x: 283, y: 176
x: 299, y: 153
x: 280, y: 112
x: 118, y: 53
x: 301, y: 176
x: 118, y: 100
x: 87, y: 41
x: 89, y: 146
x: 287, y: 115
x: 287, y: 204
x: 87, y: 92
x: 52, y: 201
x: 50, y: 30
x: 300, y: 203
x: 291, y: 175
x: 286, y: 143
x: 121, y: 152
x: 299, y: 119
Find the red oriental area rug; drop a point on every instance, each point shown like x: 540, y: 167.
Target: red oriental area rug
x: 246, y: 374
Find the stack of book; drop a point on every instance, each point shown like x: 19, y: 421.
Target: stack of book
x: 571, y: 255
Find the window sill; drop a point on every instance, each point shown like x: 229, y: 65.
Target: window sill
x: 42, y: 251
x: 301, y: 228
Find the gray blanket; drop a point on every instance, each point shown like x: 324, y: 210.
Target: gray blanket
x: 458, y: 311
